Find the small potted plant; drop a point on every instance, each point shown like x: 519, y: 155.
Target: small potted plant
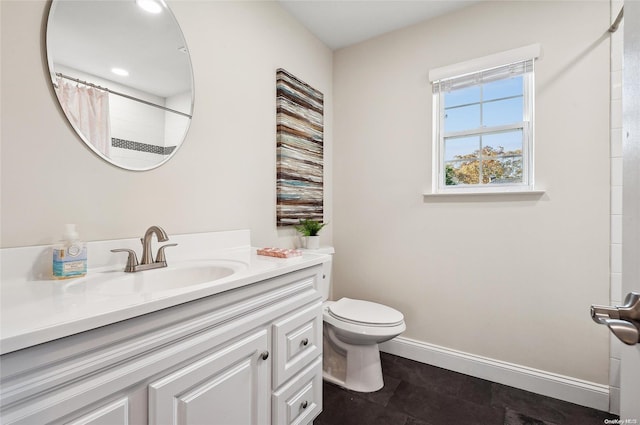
x: 309, y: 229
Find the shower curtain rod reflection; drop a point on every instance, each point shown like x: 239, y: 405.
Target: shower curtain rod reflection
x: 86, y: 83
x: 616, y: 23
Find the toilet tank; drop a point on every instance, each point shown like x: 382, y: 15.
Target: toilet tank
x: 325, y: 285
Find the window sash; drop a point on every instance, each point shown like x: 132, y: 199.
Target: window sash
x: 487, y: 132
x: 482, y: 102
x: 480, y: 131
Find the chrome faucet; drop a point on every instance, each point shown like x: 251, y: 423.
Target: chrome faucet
x: 146, y: 242
x: 147, y: 259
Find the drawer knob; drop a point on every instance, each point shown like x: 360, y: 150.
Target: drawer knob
x: 304, y: 404
x: 264, y: 355
x: 305, y: 342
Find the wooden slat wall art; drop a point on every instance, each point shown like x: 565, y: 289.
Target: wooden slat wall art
x: 299, y: 146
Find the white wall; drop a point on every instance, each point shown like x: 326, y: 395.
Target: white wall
x: 222, y: 178
x: 512, y: 277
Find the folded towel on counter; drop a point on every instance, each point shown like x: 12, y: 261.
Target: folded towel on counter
x: 279, y: 252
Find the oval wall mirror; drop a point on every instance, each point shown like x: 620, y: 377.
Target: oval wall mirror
x: 122, y: 74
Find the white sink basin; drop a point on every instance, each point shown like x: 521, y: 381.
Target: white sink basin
x: 156, y: 280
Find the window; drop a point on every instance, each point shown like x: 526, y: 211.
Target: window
x: 483, y: 129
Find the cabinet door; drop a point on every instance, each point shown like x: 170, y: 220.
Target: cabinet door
x: 230, y: 386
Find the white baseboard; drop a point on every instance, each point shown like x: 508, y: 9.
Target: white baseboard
x: 565, y: 388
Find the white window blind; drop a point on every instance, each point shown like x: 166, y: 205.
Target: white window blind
x: 484, y: 76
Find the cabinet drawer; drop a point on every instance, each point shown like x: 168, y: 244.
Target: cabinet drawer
x: 297, y: 341
x: 299, y: 401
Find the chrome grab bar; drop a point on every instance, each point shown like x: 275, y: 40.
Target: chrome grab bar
x: 623, y: 321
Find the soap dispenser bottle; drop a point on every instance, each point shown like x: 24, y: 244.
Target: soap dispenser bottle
x: 70, y: 256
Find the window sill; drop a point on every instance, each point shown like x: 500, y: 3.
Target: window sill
x: 532, y: 193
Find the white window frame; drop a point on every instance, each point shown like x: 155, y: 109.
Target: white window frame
x: 473, y: 67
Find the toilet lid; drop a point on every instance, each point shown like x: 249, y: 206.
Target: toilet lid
x: 365, y: 312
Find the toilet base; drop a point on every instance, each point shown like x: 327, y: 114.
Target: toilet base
x: 354, y: 367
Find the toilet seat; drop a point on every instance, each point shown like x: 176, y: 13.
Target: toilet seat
x: 365, y: 313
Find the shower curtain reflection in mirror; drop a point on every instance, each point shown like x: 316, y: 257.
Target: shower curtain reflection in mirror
x: 87, y: 109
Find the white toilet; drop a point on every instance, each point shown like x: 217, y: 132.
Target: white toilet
x: 352, y: 331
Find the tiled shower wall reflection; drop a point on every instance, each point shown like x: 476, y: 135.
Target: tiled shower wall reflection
x: 616, y: 296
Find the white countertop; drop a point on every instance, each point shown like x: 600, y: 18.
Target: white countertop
x: 36, y: 310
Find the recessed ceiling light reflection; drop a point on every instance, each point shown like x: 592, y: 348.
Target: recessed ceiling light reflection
x: 119, y: 71
x: 151, y: 6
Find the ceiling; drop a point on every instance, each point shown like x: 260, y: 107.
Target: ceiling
x: 340, y: 23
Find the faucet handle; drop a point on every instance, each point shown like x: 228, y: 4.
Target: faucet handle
x: 160, y: 257
x: 132, y: 259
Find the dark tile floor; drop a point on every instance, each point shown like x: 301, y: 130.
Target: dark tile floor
x: 419, y: 394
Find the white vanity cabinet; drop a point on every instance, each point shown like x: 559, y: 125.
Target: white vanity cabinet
x: 251, y: 355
